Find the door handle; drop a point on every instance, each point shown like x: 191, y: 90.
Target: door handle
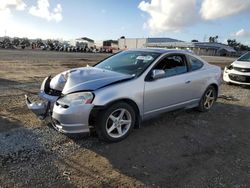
x: 187, y: 82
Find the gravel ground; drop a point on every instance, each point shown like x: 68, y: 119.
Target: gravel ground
x: 178, y: 149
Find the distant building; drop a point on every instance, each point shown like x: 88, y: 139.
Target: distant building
x: 110, y: 44
x: 199, y: 48
x: 99, y: 44
x: 207, y: 48
x: 127, y: 43
x: 161, y: 40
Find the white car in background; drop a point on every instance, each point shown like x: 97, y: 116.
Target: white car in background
x: 239, y: 71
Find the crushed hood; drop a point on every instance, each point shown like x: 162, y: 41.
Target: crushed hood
x: 241, y: 64
x: 86, y: 79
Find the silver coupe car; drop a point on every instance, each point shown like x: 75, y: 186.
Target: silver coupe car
x: 116, y: 94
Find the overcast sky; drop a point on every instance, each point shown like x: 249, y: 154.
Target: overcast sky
x: 110, y: 19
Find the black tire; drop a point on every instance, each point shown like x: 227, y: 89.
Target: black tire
x: 103, y: 119
x: 202, y: 104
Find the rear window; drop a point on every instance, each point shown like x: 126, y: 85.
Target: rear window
x: 195, y: 63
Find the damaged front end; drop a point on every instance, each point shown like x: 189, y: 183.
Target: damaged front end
x: 50, y: 91
x: 67, y: 99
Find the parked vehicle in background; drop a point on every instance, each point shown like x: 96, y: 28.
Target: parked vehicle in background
x: 239, y: 71
x: 118, y: 93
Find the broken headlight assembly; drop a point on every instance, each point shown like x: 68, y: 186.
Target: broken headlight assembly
x: 76, y: 99
x: 229, y: 67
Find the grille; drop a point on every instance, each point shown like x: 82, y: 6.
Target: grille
x: 239, y: 78
x: 242, y: 69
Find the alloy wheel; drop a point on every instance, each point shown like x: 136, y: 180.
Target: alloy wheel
x: 118, y: 123
x: 209, y: 99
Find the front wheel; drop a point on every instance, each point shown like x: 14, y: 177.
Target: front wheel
x: 116, y: 122
x: 208, y: 99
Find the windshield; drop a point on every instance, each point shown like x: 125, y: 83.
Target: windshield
x: 129, y: 62
x: 245, y: 57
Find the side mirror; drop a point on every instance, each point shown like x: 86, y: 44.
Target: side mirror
x: 157, y: 74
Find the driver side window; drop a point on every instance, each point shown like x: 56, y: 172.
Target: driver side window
x: 173, y: 65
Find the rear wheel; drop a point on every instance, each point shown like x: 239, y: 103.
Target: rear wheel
x: 116, y: 122
x: 208, y: 99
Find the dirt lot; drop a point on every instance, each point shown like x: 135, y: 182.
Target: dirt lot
x: 177, y: 149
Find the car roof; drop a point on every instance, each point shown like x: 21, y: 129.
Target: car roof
x: 161, y: 50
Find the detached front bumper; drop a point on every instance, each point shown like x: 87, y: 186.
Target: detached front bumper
x: 71, y: 119
x: 236, y: 77
x: 43, y: 108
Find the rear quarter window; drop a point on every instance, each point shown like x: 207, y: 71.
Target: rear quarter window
x: 195, y: 63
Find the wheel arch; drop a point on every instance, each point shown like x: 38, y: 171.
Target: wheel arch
x: 216, y: 88
x: 96, y: 109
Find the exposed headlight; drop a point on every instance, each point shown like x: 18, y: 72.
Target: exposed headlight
x: 76, y: 98
x: 230, y: 67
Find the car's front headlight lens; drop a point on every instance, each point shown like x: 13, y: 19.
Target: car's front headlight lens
x: 230, y: 67
x: 76, y: 98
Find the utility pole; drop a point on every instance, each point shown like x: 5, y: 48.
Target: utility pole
x: 205, y: 38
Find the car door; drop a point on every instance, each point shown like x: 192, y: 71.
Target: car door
x: 171, y: 91
x: 198, y: 76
